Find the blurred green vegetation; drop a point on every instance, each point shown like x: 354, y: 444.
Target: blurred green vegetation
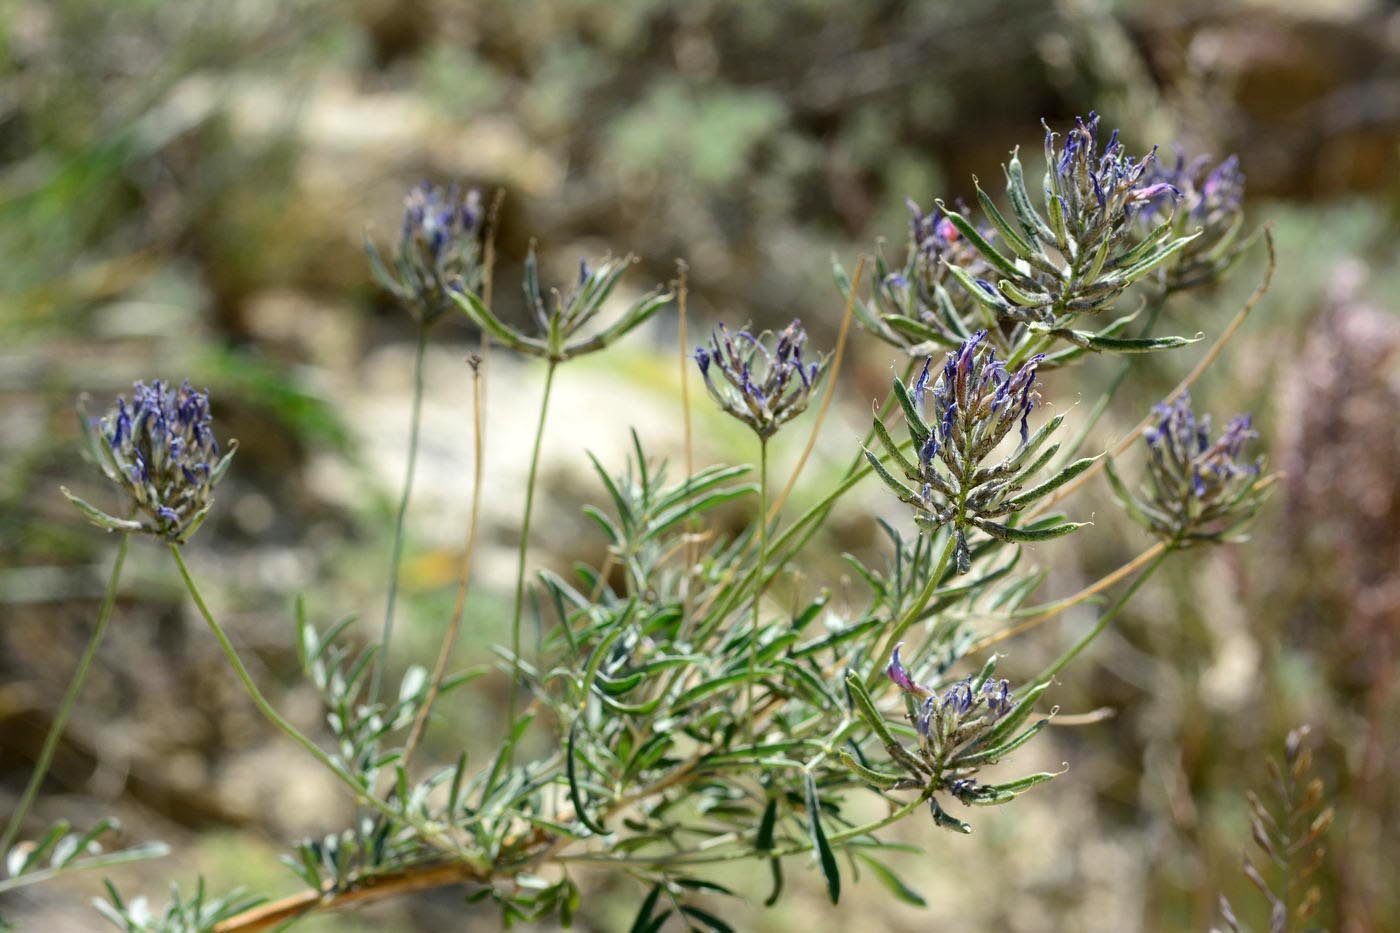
x: 183, y: 191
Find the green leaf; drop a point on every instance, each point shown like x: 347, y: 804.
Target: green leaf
x: 994, y: 214
x: 974, y: 236
x: 1051, y: 484
x: 830, y: 870
x: 904, y: 493
x: 1003, y: 793
x: 870, y: 776
x: 98, y: 517
x: 1031, y: 222
x: 918, y: 429
x: 575, y: 794
x: 1135, y: 344
x: 979, y: 294
x: 893, y: 882
x: 643, y: 921
x: 764, y: 840
x: 1026, y: 535
x: 1143, y: 266
x: 865, y: 706
x: 707, y: 918
x: 482, y: 317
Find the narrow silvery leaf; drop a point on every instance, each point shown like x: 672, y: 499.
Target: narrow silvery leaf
x: 1143, y: 266
x: 893, y: 882
x: 1051, y: 484
x: 898, y: 488
x: 870, y: 776
x: 1031, y: 221
x: 1026, y: 535
x: 830, y: 870
x: 1136, y: 344
x: 1011, y: 236
x: 979, y: 242
x: 98, y: 517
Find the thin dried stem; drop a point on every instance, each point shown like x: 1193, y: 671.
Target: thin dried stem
x: 454, y: 626
x: 275, y: 913
x: 1068, y: 602
x: 1212, y: 354
x: 683, y: 361
x: 836, y: 359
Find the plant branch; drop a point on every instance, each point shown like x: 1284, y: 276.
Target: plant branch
x: 396, y: 553
x: 70, y: 696
x: 454, y: 626
x: 361, y: 794
x: 524, y: 547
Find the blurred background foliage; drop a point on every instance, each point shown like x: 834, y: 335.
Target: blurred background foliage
x: 184, y: 188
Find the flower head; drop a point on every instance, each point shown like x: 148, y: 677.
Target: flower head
x: 913, y: 307
x: 440, y: 249
x: 958, y: 422
x: 1095, y: 187
x: 1210, y: 199
x: 1198, y: 488
x: 160, y: 448
x: 761, y: 380
x: 959, y: 729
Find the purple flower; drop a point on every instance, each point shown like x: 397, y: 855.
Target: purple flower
x: 763, y: 381
x: 440, y: 249
x: 160, y: 448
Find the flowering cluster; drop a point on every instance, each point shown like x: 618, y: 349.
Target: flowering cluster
x: 1201, y: 197
x: 913, y: 308
x: 440, y: 250
x: 763, y: 381
x: 1197, y: 489
x: 160, y: 449
x: 974, y: 404
x: 1074, y: 256
x: 560, y: 323
x: 970, y: 724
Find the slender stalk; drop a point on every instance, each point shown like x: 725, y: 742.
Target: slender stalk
x: 70, y: 696
x: 1055, y: 608
x: 758, y: 591
x: 454, y: 626
x: 524, y: 546
x: 396, y: 553
x: 692, y: 544
x: 1105, y: 619
x: 359, y: 791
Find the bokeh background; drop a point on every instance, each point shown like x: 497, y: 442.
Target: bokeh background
x: 184, y: 189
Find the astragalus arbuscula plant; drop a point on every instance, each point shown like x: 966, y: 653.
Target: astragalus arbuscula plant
x: 685, y: 719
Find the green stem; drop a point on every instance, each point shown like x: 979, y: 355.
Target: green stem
x: 524, y: 546
x: 1104, y: 620
x: 360, y: 792
x: 75, y: 687
x: 396, y: 554
x: 746, y: 851
x: 758, y: 590
x: 915, y: 611
x: 1101, y: 405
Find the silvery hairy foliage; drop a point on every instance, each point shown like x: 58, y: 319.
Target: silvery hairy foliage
x: 670, y: 718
